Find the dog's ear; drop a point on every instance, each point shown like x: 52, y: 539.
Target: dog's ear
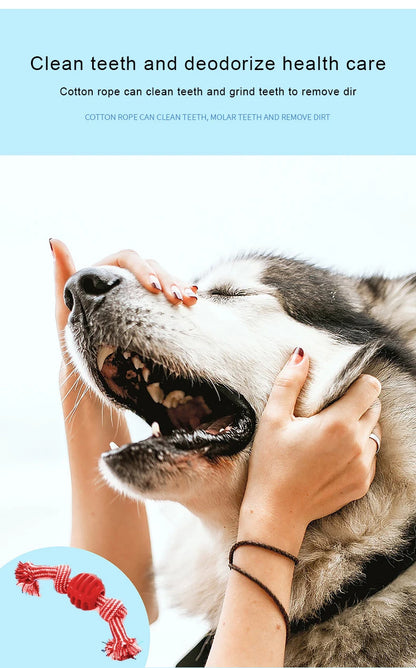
x: 322, y: 299
x: 393, y: 302
x: 333, y: 367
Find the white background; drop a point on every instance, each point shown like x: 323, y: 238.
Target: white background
x: 356, y: 214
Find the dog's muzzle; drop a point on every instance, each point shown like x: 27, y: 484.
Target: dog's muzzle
x: 186, y: 411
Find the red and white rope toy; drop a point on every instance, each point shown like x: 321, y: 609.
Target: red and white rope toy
x: 85, y: 591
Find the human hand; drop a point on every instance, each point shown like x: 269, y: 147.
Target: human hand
x: 64, y: 268
x: 72, y: 389
x: 103, y: 521
x: 306, y: 468
x: 148, y: 272
x: 153, y: 277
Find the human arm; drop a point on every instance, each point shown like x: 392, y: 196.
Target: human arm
x: 281, y: 501
x: 103, y: 521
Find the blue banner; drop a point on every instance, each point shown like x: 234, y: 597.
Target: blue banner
x: 82, y: 82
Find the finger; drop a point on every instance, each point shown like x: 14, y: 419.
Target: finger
x: 371, y: 472
x: 369, y: 452
x: 64, y: 268
x: 152, y: 276
x: 371, y: 417
x: 129, y: 259
x: 377, y: 431
x: 287, y: 386
x: 174, y: 290
x: 358, y: 398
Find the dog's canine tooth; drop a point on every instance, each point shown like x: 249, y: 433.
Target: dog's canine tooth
x: 173, y: 398
x: 113, y: 446
x: 103, y: 353
x: 145, y: 374
x: 138, y: 364
x: 156, y: 392
x: 126, y: 355
x: 156, y: 429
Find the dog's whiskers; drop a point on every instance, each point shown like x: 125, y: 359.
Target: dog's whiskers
x: 73, y: 387
x: 74, y: 384
x: 78, y: 400
x: 74, y: 370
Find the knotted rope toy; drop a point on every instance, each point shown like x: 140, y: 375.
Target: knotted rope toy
x: 86, y: 592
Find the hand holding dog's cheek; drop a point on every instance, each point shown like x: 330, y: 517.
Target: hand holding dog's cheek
x: 320, y: 463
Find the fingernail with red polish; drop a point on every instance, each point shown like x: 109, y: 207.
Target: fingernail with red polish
x: 155, y: 282
x: 188, y: 292
x: 297, y: 355
x: 176, y: 292
x: 194, y: 288
x: 51, y: 245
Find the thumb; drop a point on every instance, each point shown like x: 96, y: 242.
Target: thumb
x: 64, y: 267
x: 288, y: 385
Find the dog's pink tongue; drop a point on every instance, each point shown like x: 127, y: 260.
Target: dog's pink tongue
x: 222, y: 424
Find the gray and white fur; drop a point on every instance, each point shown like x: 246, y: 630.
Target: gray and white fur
x: 251, y: 312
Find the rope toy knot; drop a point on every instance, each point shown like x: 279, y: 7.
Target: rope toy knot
x: 62, y: 578
x: 85, y: 591
x: 111, y: 608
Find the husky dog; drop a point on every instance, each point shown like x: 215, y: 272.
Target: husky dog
x: 201, y: 377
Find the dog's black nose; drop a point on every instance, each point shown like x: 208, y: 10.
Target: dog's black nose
x: 89, y: 284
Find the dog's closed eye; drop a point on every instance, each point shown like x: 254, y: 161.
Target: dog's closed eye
x: 225, y: 291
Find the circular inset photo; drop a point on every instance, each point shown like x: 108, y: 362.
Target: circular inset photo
x: 69, y: 607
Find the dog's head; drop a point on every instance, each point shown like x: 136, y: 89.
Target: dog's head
x: 201, y: 376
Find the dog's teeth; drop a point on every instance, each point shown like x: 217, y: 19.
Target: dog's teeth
x: 156, y: 392
x: 126, y: 354
x: 103, y: 353
x: 156, y: 429
x: 138, y: 364
x: 174, y: 398
x: 113, y: 446
x: 222, y: 429
x: 145, y: 374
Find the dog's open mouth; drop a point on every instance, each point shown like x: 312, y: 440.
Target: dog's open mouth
x: 186, y: 413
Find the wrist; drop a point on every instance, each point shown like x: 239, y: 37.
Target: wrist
x: 282, y: 527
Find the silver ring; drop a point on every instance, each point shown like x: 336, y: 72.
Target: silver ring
x: 376, y: 440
